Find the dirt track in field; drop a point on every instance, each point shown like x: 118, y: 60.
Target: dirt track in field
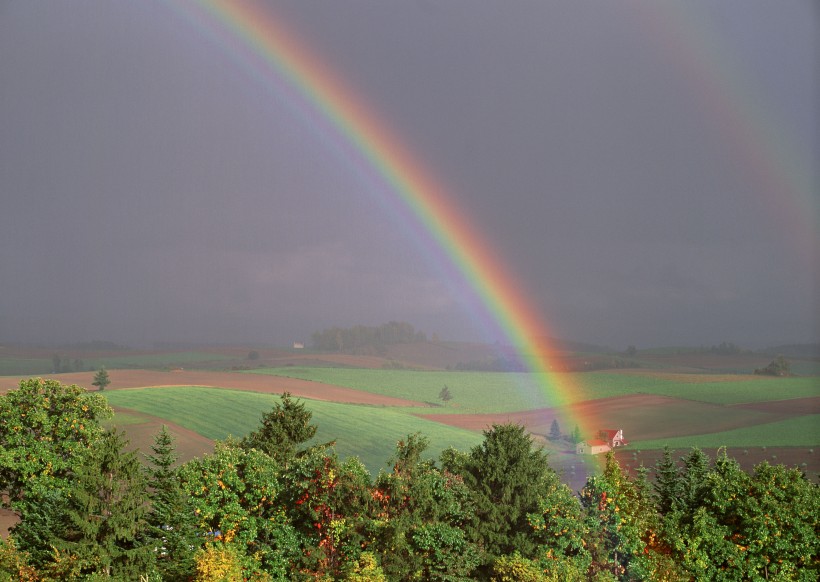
x: 794, y: 407
x: 122, y: 379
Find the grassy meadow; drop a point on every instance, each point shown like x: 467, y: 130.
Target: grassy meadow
x: 484, y: 392
x: 364, y: 431
x: 803, y: 431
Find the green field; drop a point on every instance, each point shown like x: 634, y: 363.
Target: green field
x: 369, y: 433
x: 803, y: 431
x: 19, y: 366
x: 473, y: 392
x: 478, y: 392
x: 25, y: 366
x: 158, y: 360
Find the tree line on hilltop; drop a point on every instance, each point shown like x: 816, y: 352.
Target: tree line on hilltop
x: 271, y: 506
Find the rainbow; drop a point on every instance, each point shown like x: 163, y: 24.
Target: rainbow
x: 745, y: 122
x: 261, y: 44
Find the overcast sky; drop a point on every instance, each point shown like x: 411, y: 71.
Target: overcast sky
x: 647, y: 170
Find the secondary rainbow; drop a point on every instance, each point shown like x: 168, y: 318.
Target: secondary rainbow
x: 263, y: 46
x: 746, y: 123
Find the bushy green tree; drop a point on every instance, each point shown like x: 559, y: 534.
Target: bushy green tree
x: 234, y: 493
x: 328, y: 502
x: 749, y: 527
x: 45, y: 426
x: 419, y: 519
x: 560, y: 532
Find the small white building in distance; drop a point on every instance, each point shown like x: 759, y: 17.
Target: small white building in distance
x: 607, y: 440
x: 298, y: 346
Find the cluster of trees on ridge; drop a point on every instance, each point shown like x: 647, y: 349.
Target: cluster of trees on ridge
x: 349, y: 339
x: 778, y: 367
x: 270, y: 507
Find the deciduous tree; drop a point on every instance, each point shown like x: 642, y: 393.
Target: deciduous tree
x: 235, y: 493
x: 420, y: 516
x: 44, y: 427
x: 328, y: 503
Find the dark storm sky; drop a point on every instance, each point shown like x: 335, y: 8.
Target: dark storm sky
x: 649, y: 174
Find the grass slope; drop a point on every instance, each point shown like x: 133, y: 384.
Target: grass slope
x: 472, y: 392
x: 367, y: 432
x: 803, y: 431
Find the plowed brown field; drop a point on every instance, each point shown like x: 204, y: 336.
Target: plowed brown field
x: 647, y: 416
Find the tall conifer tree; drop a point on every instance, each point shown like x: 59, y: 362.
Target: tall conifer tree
x: 106, y: 512
x: 667, y: 481
x: 173, y: 530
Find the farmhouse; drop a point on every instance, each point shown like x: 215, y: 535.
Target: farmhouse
x: 607, y: 440
x: 591, y: 447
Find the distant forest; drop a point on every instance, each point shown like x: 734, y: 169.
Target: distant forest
x: 351, y: 339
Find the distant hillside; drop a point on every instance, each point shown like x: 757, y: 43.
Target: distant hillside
x: 582, y: 347
x: 794, y: 351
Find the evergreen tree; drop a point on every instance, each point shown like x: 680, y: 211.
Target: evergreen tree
x: 667, y: 482
x: 106, y: 510
x: 101, y: 379
x: 282, y: 430
x: 576, y: 434
x: 41, y: 526
x: 172, y: 521
x: 692, y: 483
x: 555, y: 430
x: 445, y: 395
x: 505, y: 473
